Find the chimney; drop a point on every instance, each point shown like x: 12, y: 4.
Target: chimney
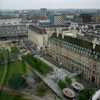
x: 57, y: 34
x: 62, y: 35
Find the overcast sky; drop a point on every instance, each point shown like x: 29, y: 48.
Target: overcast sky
x: 36, y: 4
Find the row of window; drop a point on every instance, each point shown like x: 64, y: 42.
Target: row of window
x: 78, y: 49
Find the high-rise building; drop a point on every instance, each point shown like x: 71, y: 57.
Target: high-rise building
x: 85, y: 18
x: 43, y: 12
x: 57, y: 19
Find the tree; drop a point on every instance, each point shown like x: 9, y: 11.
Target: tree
x: 37, y: 64
x: 68, y: 81
x: 62, y: 84
x: 86, y: 94
x: 14, y: 52
x: 17, y: 82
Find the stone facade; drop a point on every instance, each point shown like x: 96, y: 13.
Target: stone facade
x: 13, y: 32
x: 40, y: 40
x: 75, y: 59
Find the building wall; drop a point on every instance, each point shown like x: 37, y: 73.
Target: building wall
x: 74, y: 61
x: 13, y: 21
x: 51, y: 30
x: 59, y: 20
x: 43, y: 12
x: 13, y: 32
x: 98, y: 19
x: 38, y: 39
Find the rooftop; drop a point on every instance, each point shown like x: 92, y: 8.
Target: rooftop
x: 79, y: 42
x: 51, y: 25
x: 37, y: 29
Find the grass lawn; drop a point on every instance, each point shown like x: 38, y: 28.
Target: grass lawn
x: 13, y: 68
x: 7, y: 70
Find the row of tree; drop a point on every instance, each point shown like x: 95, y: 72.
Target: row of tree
x: 8, y: 55
x: 37, y: 64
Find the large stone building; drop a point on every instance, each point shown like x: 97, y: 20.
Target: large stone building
x: 13, y: 29
x: 13, y: 32
x: 10, y: 21
x: 76, y: 55
x: 38, y: 36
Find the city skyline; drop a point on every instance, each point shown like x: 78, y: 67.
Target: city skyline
x: 49, y: 50
x: 50, y: 4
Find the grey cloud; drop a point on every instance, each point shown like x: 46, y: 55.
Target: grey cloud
x: 36, y: 4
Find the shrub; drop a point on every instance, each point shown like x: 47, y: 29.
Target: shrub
x: 17, y: 82
x: 37, y: 64
x: 62, y: 84
x: 86, y: 94
x: 68, y: 81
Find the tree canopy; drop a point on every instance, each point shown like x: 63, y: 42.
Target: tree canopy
x: 17, y: 82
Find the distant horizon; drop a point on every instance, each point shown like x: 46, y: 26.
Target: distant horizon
x: 49, y: 4
x: 56, y: 9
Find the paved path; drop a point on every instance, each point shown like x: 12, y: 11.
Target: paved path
x: 29, y: 96
x: 5, y: 70
x: 51, y: 83
x: 69, y: 74
x: 10, y: 91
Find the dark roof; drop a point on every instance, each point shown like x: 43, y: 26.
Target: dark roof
x: 80, y: 42
x: 37, y: 29
x: 51, y: 25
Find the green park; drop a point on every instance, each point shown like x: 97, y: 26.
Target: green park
x: 13, y: 68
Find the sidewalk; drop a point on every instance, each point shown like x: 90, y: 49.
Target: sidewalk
x: 69, y: 74
x: 51, y: 82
